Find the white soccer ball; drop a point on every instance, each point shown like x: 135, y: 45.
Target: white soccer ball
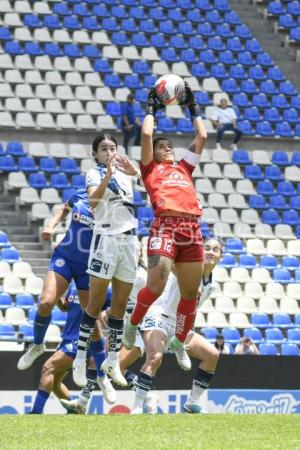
x: 170, y: 89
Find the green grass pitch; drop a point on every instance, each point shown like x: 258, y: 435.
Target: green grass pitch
x: 125, y: 432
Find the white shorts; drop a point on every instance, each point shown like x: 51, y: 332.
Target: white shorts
x: 153, y: 322
x: 113, y: 256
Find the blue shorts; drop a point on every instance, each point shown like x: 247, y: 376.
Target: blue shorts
x: 69, y: 347
x: 70, y: 269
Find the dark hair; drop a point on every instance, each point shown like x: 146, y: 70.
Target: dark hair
x: 130, y: 96
x: 213, y: 238
x: 221, y: 347
x: 160, y: 138
x: 100, y: 138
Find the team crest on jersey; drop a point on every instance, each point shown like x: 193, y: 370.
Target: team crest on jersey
x: 60, y: 262
x: 76, y: 216
x: 155, y: 243
x: 176, y: 176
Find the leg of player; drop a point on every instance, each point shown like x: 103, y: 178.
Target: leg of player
x: 159, y: 268
x: 79, y: 406
x: 189, y: 276
x: 58, y: 363
x: 54, y: 287
x: 97, y: 296
x: 155, y: 341
x: 127, y: 358
x: 198, y: 347
x: 115, y: 324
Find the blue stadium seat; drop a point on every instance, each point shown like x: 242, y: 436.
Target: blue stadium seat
x: 90, y: 24
x: 2, y: 151
x: 241, y: 157
x: 253, y: 46
x: 273, y: 173
x: 13, y: 48
x: 132, y: 82
x: 205, y: 29
x: 80, y: 10
x: 295, y: 159
x: 234, y: 246
x: 128, y: 25
x: 71, y: 23
x: 290, y: 217
x: 297, y: 130
x: 4, y: 242
x: 138, y: 199
x: 264, y: 128
x: 157, y: 14
x: 280, y: 101
x: 297, y: 320
x: 224, y: 30
x: 280, y: 158
x: 52, y: 22
x: 246, y: 127
x: 5, y: 300
x: 184, y: 126
x: 204, y: 5
x: 291, y: 116
x: 186, y: 28
x: 274, y: 336
x: 243, y: 32
x: 227, y: 58
x: 238, y: 72
x: 112, y: 80
x: 295, y: 34
x: 268, y: 262
x: 110, y: 24
x: 286, y: 188
x: 290, y: 350
x: 249, y: 86
x: 24, y: 301
x: 38, y: 180
x: 137, y: 12
x: 275, y: 74
x: 246, y: 59
x: 282, y: 276
x: 254, y: 334
x: 91, y: 51
x: 113, y: 109
x: 231, y: 335
x: 7, y: 331
x: 276, y: 8
x: 282, y: 320
x: 26, y: 332
x: 210, y: 333
x: 72, y: 50
x: 290, y: 262
x: 167, y: 3
x: 227, y: 261
x: 261, y: 101
x: 148, y: 26
x: 270, y: 217
x: 5, y: 34
x: 67, y: 193
x: 8, y: 164
x: 166, y: 125
x: 293, y: 335
x: 120, y: 38
x: 293, y: 8
x: 284, y: 129
x: 27, y: 164
x: 169, y: 55
x: 287, y: 88
x: 158, y: 41
x: 257, y: 202
x: 232, y: 18
x: 33, y: 49
x: 32, y: 21
x: 260, y: 320
x: 208, y: 57
x: 52, y: 49
x: 195, y: 42
x: 230, y: 86
x: 264, y: 59
x: 188, y: 55
x: 241, y: 100
x: 268, y: 87
x: 59, y: 181
x: 167, y: 27
x: 203, y: 98
x: 272, y: 115
x: 61, y: 9
x: 10, y: 255
x: 234, y: 44
x: 199, y: 70
x: 247, y: 261
x: 216, y: 44
x: 15, y: 148
x: 252, y: 114
x: 214, y: 17
x: 218, y: 71
x: 278, y: 202
x: 257, y: 73
x: 254, y: 172
x: 69, y: 166
x: 48, y: 165
x: 119, y: 11
x: 268, y: 349
x: 58, y: 317
x: 149, y: 81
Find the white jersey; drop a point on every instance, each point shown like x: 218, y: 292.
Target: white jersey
x: 115, y: 212
x: 167, y: 303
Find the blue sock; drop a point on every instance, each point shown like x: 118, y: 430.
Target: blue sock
x: 40, y: 401
x: 40, y: 327
x: 98, y: 351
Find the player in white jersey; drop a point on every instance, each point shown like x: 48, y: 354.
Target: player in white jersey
x: 112, y: 253
x: 158, y: 330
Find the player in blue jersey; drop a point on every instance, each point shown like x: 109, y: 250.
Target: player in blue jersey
x: 69, y: 261
x: 113, y: 252
x: 56, y: 367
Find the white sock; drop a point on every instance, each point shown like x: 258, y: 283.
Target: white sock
x: 82, y: 401
x: 81, y: 354
x: 195, y: 394
x: 140, y: 396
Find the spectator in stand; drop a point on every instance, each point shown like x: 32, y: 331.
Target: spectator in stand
x: 131, y: 125
x: 221, y: 346
x: 224, y: 119
x: 246, y: 347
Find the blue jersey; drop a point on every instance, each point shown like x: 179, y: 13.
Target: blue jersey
x: 77, y: 241
x: 74, y: 310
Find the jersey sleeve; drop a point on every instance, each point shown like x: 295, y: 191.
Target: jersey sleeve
x: 72, y: 200
x: 93, y: 178
x: 145, y: 170
x: 189, y: 161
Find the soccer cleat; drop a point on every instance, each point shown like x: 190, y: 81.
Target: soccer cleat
x: 112, y: 368
x: 72, y: 406
x: 151, y: 403
x: 33, y: 352
x: 79, y: 372
x: 129, y: 335
x: 192, y: 408
x: 107, y: 389
x: 183, y: 359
